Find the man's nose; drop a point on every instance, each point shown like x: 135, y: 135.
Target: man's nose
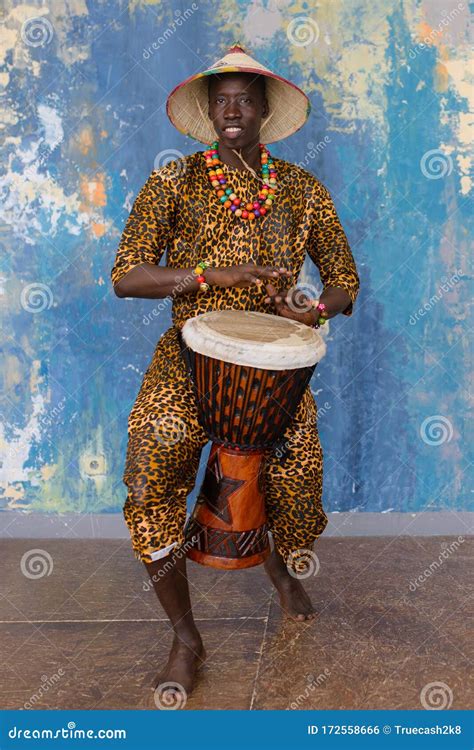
x: 232, y: 110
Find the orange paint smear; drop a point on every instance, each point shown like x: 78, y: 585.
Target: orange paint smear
x: 424, y: 31
x: 98, y: 229
x: 93, y: 192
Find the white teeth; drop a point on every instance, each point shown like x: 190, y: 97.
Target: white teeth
x: 232, y: 130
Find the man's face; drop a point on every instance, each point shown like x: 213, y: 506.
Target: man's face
x: 236, y: 106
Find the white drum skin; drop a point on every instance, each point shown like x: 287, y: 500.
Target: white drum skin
x: 253, y: 339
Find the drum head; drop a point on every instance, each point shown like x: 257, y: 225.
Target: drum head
x: 253, y: 339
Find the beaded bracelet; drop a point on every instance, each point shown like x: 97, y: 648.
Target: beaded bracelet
x: 199, y: 271
x: 320, y: 307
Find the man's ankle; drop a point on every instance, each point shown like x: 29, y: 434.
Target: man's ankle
x: 188, y: 636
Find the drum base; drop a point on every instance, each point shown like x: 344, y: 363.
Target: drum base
x: 227, y: 563
x: 228, y: 528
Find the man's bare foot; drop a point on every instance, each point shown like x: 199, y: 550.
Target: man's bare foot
x: 187, y: 655
x: 294, y: 600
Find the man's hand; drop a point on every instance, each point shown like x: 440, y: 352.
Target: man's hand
x: 336, y: 300
x: 244, y: 275
x: 294, y: 304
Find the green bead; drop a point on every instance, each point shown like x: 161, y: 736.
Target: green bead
x: 229, y: 191
x: 223, y: 198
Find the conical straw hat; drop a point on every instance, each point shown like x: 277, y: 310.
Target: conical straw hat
x: 187, y: 104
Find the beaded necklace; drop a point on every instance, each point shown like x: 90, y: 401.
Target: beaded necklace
x: 252, y: 210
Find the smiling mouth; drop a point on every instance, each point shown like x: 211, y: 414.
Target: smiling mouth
x: 232, y: 129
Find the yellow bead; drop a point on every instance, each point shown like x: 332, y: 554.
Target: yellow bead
x: 268, y: 202
x: 198, y: 270
x: 232, y: 196
x: 238, y: 212
x: 215, y: 183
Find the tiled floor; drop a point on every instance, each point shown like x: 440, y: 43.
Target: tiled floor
x: 91, y: 634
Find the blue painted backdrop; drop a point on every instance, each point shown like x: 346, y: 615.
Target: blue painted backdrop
x: 389, y: 136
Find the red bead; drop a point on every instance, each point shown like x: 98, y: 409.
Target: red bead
x: 263, y: 210
x: 236, y: 201
x: 244, y: 214
x: 201, y: 279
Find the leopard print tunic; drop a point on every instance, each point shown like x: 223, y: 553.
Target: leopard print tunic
x: 177, y: 210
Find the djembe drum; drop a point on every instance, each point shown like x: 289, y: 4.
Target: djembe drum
x: 249, y: 371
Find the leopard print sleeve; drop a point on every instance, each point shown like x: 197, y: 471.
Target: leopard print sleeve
x: 149, y: 227
x: 329, y: 248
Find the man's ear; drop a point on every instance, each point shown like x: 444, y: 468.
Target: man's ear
x: 265, y: 108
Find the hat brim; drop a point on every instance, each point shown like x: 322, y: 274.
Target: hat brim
x: 187, y: 105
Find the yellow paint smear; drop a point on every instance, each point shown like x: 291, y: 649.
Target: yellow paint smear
x: 47, y: 471
x: 85, y: 140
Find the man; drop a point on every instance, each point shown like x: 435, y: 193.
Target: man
x: 236, y: 224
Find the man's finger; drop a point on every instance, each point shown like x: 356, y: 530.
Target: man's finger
x: 285, y: 312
